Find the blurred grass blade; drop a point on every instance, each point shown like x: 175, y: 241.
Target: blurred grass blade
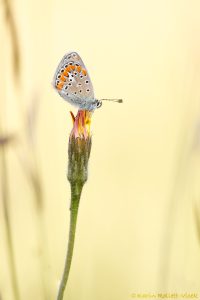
x: 5, y: 197
x: 14, y: 37
x: 31, y: 118
x: 6, y: 139
x: 33, y: 177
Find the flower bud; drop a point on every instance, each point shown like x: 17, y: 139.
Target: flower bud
x: 79, y: 149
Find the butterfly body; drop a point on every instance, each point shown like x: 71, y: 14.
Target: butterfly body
x: 72, y: 82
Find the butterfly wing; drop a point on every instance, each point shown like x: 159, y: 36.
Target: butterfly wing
x: 72, y: 81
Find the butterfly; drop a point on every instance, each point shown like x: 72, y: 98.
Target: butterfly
x: 73, y: 83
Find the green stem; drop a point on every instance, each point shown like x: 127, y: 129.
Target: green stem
x: 5, y: 196
x: 75, y: 198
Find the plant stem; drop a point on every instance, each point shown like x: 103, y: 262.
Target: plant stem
x: 5, y: 196
x: 76, y: 189
x: 78, y: 157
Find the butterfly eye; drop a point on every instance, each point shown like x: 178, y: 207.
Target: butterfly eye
x: 86, y: 81
x: 62, y: 70
x: 99, y: 103
x: 58, y: 76
x: 87, y: 90
x: 66, y: 65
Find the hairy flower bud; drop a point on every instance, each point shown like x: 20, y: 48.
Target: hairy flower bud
x: 79, y: 148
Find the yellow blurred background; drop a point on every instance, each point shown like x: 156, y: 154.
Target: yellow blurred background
x: 139, y: 220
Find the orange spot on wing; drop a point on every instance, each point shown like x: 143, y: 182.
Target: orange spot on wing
x: 60, y: 85
x: 62, y: 78
x: 66, y: 73
x: 78, y: 68
x: 84, y: 72
x: 68, y: 69
x: 73, y: 68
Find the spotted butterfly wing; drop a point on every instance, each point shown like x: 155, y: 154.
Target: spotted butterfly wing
x: 72, y: 81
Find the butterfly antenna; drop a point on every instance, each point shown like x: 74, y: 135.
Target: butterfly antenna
x: 114, y: 100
